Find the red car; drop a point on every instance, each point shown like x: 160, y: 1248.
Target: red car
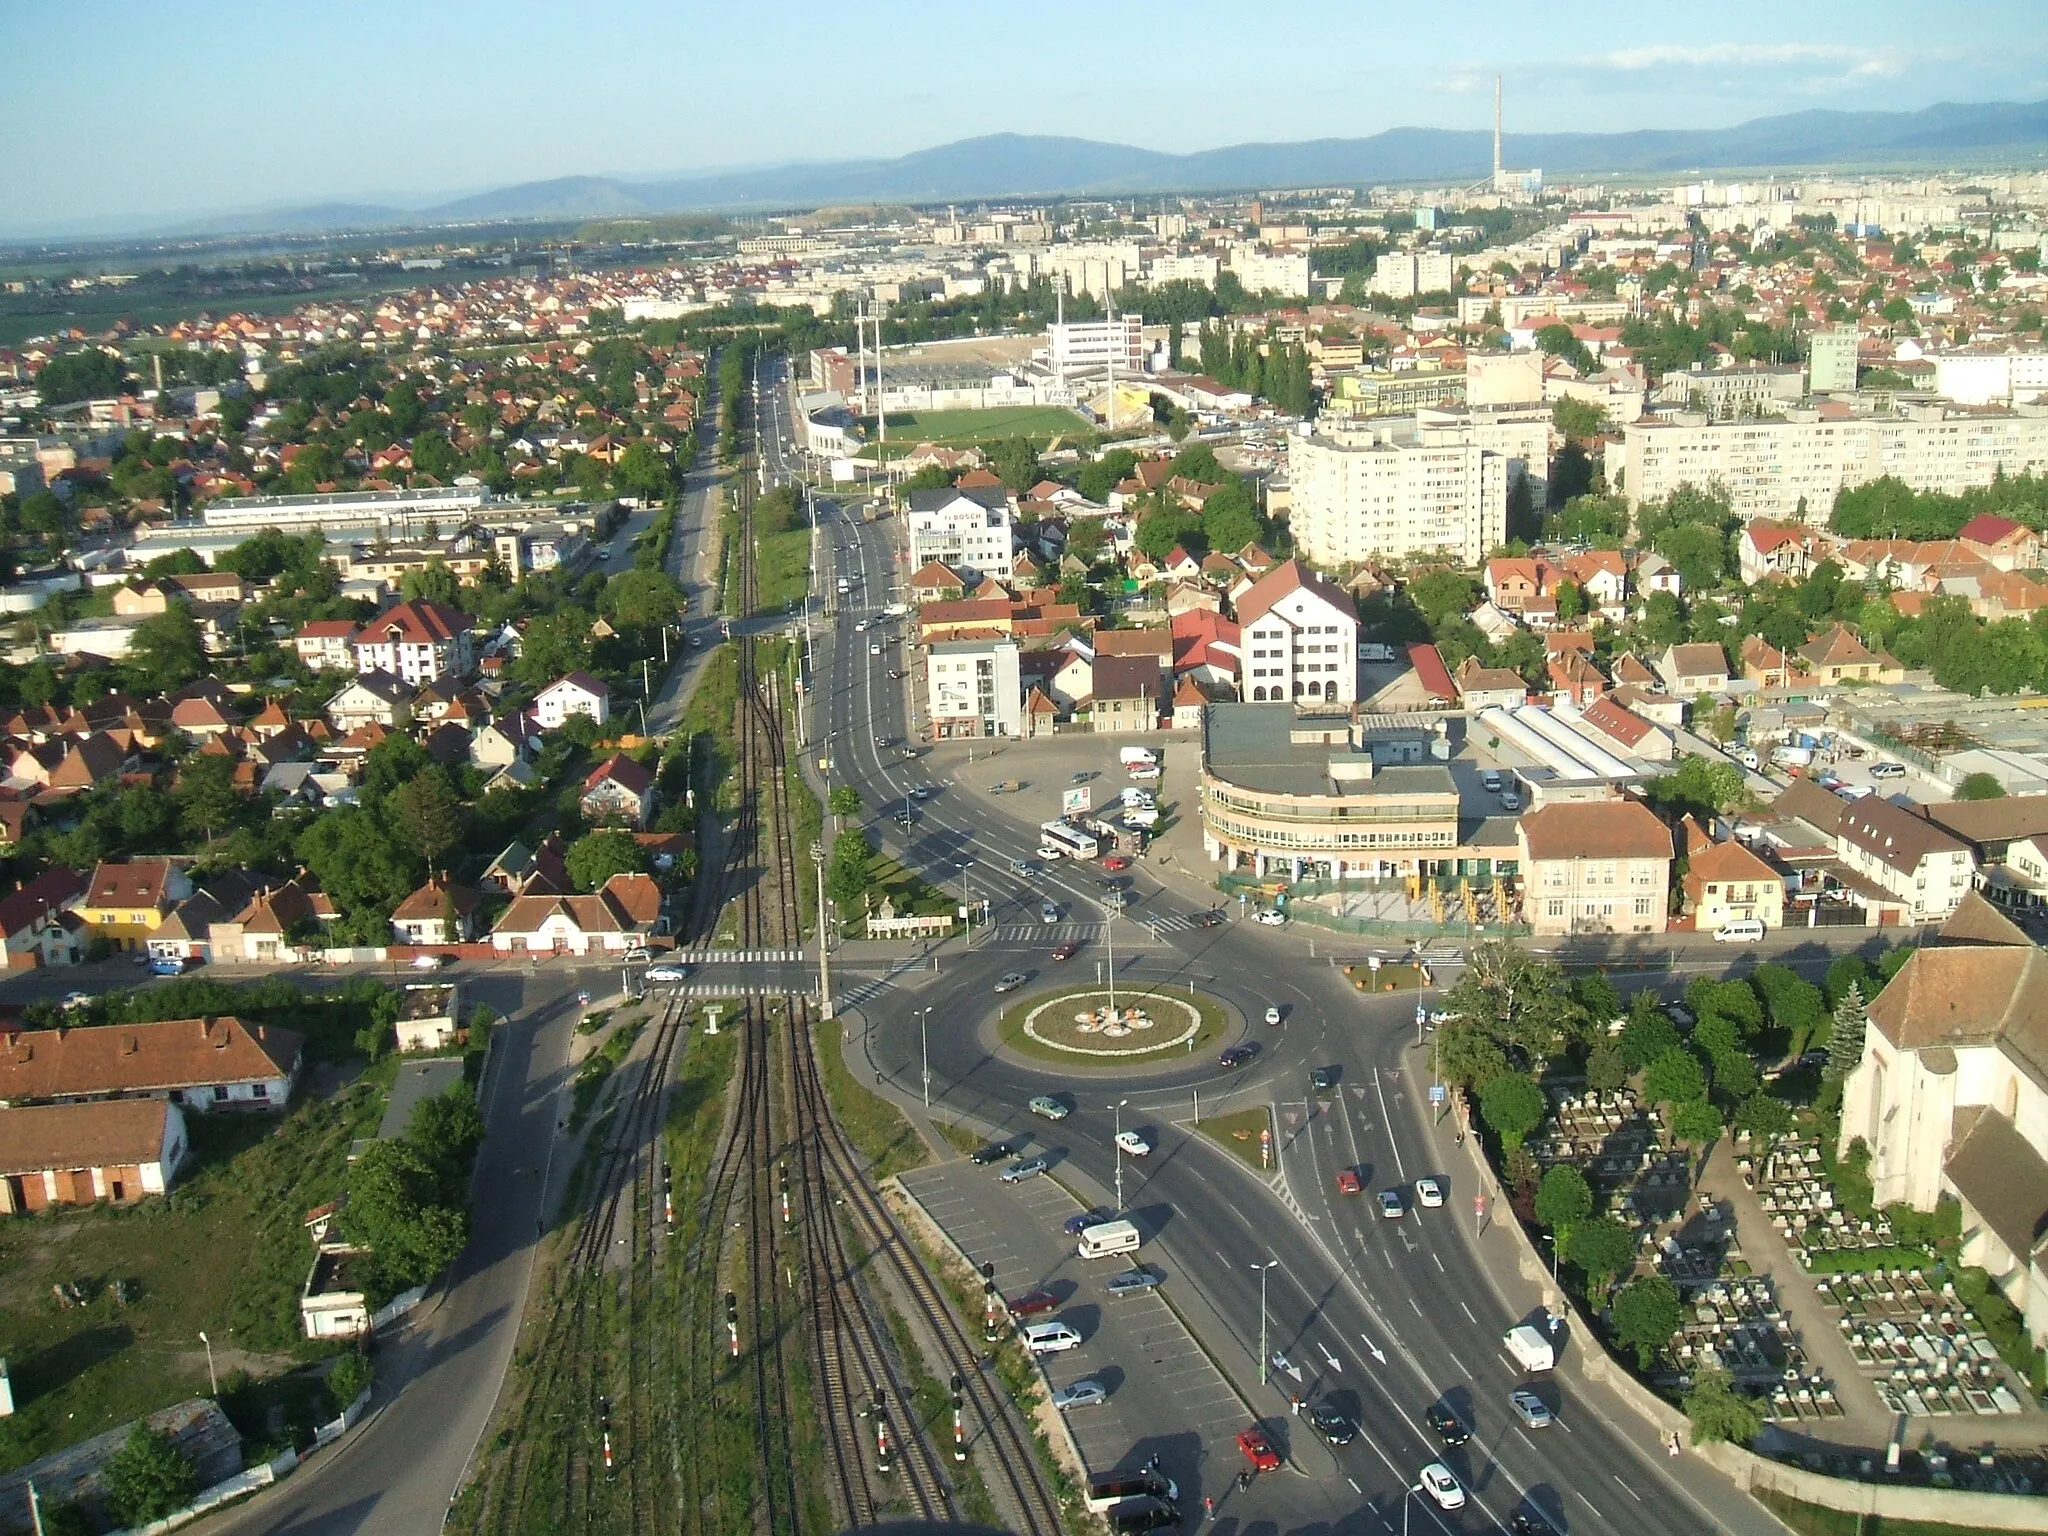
x: 1115, y: 862
x: 1349, y: 1183
x: 1258, y: 1450
x: 1066, y: 951
x: 1032, y: 1304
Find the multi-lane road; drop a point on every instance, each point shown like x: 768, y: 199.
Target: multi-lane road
x: 1385, y: 1317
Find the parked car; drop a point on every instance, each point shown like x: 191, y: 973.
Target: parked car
x: 1258, y: 1450
x: 1530, y: 1409
x: 1082, y: 777
x: 1447, y: 1426
x: 1442, y: 1485
x: 1333, y: 1426
x: 1742, y: 930
x: 1142, y: 1278
x: 1887, y: 770
x: 1048, y: 1108
x: 993, y: 1152
x: 1009, y: 981
x: 1272, y: 917
x: 1032, y: 1304
x: 1081, y: 1221
x: 1348, y: 1182
x: 1429, y: 1193
x: 1082, y: 1394
x: 1134, y: 1144
x: 1028, y: 1168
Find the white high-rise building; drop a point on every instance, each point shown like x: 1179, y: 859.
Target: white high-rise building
x: 1283, y: 272
x: 1084, y: 349
x: 963, y: 530
x: 1096, y: 270
x: 1389, y: 489
x: 973, y: 688
x: 1769, y: 468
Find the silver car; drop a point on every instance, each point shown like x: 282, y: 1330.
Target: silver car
x: 1082, y: 1394
x: 1029, y: 1168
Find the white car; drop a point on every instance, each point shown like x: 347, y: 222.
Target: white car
x: 1440, y: 1484
x: 1429, y: 1193
x: 1887, y: 770
x: 1272, y: 917
x: 1742, y: 930
x: 429, y: 962
x: 638, y: 955
x: 1273, y: 1015
x: 1134, y: 1144
x: 667, y: 972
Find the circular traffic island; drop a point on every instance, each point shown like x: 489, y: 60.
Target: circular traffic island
x: 1140, y: 1026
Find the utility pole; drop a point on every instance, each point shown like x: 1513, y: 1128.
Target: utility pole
x: 924, y: 1051
x: 1120, y: 1103
x: 1263, y: 1270
x: 824, y: 932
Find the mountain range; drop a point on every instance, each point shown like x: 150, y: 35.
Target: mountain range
x: 1007, y: 165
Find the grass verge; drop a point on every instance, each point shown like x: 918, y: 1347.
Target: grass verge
x: 1814, y: 1520
x: 597, y: 1068
x: 877, y: 1128
x: 1238, y: 1133
x: 1215, y: 1023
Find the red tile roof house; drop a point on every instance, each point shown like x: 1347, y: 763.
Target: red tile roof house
x: 618, y: 790
x: 36, y: 924
x: 417, y: 642
x: 205, y: 1064
x: 328, y: 645
x: 613, y: 920
x: 424, y: 916
x: 119, y: 1150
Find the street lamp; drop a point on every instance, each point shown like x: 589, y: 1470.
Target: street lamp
x: 1406, y: 1493
x: 1120, y: 1103
x: 211, y: 1380
x: 1263, y: 1269
x: 924, y: 1050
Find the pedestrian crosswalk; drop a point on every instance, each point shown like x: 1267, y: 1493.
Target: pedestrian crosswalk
x: 740, y: 956
x: 1166, y: 922
x: 760, y: 987
x: 865, y: 990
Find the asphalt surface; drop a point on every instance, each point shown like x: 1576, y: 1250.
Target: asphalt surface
x: 1347, y: 1289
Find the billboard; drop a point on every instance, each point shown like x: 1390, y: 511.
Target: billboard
x: 1074, y: 802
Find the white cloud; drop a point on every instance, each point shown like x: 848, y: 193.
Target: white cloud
x: 1846, y: 62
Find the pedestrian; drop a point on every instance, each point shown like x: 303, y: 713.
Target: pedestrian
x: 1295, y: 1399
x: 1208, y: 1507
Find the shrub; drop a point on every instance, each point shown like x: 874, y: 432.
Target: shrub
x: 148, y: 1478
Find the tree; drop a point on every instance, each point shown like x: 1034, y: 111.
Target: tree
x: 1563, y: 1200
x: 642, y: 473
x: 1646, y: 1316
x: 1980, y: 786
x: 205, y: 792
x: 1442, y: 596
x: 1014, y: 461
x: 1558, y: 341
x: 165, y: 648
x: 595, y: 857
x: 847, y: 877
x: 1696, y: 1123
x: 1571, y: 602
x: 1512, y: 1105
x: 429, y: 813
x: 1675, y: 1078
x: 1699, y: 787
x: 1719, y: 1412
x: 431, y: 583
x: 147, y: 1478
x: 1763, y: 1116
x: 642, y: 599
x: 844, y: 801
x: 1605, y: 1070
x: 395, y: 1208
x: 1845, y: 1042
x: 1577, y: 420
x: 1795, y: 1004
x: 1517, y: 1000
x: 447, y: 1129
x: 1229, y: 520
x: 1603, y: 1248
x: 1648, y: 1034
x: 391, y: 765
x: 90, y: 374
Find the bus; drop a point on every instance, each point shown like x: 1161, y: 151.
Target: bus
x: 1062, y: 839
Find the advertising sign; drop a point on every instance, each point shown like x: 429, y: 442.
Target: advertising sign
x: 1074, y: 802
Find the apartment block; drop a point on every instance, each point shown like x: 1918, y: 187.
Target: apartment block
x: 962, y: 530
x: 974, y: 689
x: 1391, y: 491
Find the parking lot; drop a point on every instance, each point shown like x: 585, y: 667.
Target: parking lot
x: 1165, y: 1397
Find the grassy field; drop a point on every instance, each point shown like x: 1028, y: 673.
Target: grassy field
x: 1238, y: 1133
x: 1812, y: 1520
x: 876, y: 1127
x: 227, y: 1252
x: 1034, y: 421
x: 1213, y: 1026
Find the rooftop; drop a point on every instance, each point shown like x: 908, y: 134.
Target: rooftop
x: 1254, y: 745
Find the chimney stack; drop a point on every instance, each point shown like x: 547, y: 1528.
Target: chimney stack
x: 1496, y: 133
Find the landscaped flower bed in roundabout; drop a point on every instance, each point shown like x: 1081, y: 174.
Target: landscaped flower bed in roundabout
x: 1077, y: 1027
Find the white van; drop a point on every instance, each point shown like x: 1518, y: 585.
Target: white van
x: 1743, y: 930
x: 1137, y: 799
x: 1106, y: 1238
x: 1050, y: 1338
x: 1143, y: 816
x: 1531, y: 1350
x: 1130, y: 755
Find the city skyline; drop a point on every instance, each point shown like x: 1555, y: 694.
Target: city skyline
x: 411, y: 107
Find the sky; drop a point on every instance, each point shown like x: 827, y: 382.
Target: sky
x: 139, y: 114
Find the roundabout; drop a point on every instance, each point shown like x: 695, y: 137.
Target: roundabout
x: 1087, y: 1027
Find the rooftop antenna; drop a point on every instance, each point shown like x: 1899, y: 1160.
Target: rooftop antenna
x: 1496, y: 133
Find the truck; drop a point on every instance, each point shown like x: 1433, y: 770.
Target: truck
x: 897, y: 610
x: 1106, y: 1238
x: 1530, y: 1349
x: 1369, y: 651
x: 1137, y: 756
x: 1792, y: 757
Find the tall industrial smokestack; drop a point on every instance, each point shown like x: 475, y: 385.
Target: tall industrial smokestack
x: 1496, y: 132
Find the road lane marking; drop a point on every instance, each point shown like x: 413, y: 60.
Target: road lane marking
x: 1388, y: 1116
x: 1468, y: 1313
x: 1628, y: 1490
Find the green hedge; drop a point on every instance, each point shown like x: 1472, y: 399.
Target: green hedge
x: 1856, y: 1261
